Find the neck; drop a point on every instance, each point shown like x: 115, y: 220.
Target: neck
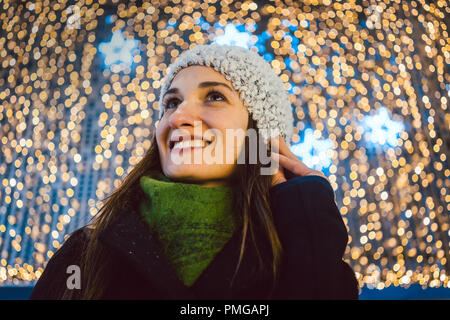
x: 203, y: 183
x: 191, y: 223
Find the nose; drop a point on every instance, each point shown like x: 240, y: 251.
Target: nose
x: 184, y: 115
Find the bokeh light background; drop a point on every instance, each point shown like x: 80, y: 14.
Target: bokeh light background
x: 368, y: 82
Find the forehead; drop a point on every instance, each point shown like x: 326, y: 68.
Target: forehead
x: 192, y: 75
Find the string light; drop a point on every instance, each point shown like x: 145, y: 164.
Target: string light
x: 70, y: 129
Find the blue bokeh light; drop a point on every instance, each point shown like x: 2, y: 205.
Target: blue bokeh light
x: 118, y: 50
x: 381, y: 129
x: 233, y: 36
x: 313, y: 152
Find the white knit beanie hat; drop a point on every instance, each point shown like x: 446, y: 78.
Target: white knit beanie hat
x: 260, y: 88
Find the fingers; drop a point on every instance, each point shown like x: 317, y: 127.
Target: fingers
x: 282, y: 148
x: 295, y: 166
x: 289, y: 160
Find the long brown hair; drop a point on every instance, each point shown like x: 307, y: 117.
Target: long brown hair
x: 251, y: 201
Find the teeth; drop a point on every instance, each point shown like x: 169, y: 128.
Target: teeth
x: 190, y: 143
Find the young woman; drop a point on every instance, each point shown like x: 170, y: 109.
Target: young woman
x: 212, y: 229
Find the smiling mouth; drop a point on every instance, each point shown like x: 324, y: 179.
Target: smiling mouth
x: 188, y: 144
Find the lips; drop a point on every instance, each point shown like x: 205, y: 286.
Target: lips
x: 190, y: 144
x: 191, y: 138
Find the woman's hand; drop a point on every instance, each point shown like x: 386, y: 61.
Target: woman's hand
x: 288, y: 161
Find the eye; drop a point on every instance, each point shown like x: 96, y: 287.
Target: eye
x: 211, y: 92
x: 168, y: 102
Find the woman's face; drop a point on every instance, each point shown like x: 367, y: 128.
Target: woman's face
x: 201, y: 104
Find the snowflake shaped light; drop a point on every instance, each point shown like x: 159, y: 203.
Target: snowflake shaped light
x: 118, y: 50
x: 313, y: 152
x: 381, y: 129
x: 233, y: 37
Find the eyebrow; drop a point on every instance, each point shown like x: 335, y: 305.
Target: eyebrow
x: 205, y: 84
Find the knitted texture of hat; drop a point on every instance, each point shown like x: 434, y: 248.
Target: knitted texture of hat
x: 259, y: 87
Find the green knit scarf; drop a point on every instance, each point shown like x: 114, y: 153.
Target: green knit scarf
x: 191, y: 222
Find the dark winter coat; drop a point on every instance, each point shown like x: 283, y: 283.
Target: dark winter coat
x: 312, y: 233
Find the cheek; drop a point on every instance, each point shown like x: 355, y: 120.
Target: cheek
x: 160, y: 134
x: 233, y: 143
x: 232, y: 119
x: 240, y: 119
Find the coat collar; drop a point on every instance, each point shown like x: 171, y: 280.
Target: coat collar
x: 129, y: 235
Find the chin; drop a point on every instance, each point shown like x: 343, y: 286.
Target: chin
x: 198, y: 174
x: 185, y: 171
